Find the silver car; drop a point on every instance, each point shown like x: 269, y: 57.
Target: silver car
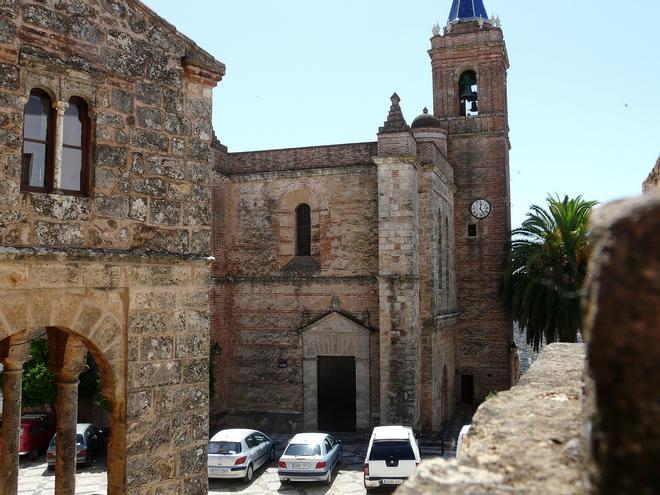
x: 89, y: 442
x: 309, y: 457
x: 238, y: 453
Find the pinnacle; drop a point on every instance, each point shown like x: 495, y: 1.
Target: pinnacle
x: 395, y: 122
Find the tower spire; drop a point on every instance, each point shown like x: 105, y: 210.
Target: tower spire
x: 467, y: 10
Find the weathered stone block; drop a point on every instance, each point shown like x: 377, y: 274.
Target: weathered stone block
x: 122, y: 101
x: 176, y: 399
x: 150, y: 118
x: 165, y: 166
x: 59, y: 234
x: 164, y: 212
x: 13, y: 276
x: 149, y: 140
x: 151, y: 322
x: 150, y: 186
x: 9, y: 8
x: 196, y: 371
x: 155, y: 239
x: 110, y: 120
x: 149, y: 94
x: 59, y: 207
x: 9, y: 192
x: 156, y: 348
x: 192, y: 346
x: 110, y: 156
x: 156, y: 374
x: 7, y: 30
x: 192, y: 461
x: 138, y: 209
x: 197, y: 215
x: 111, y: 206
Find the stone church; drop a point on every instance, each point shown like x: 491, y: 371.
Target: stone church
x: 357, y: 284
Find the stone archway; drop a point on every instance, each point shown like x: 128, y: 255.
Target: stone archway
x: 336, y: 335
x: 77, y: 321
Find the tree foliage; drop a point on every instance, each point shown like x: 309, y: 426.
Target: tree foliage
x: 39, y: 382
x: 546, y: 268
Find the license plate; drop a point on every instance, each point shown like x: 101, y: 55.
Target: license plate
x: 299, y: 465
x: 218, y: 470
x: 392, y: 482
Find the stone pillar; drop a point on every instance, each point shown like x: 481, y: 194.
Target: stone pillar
x: 60, y: 108
x: 622, y: 329
x: 13, y: 353
x: 68, y: 358
x: 12, y: 375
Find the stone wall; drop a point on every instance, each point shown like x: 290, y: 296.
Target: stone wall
x: 264, y: 295
x: 145, y: 320
x: 622, y: 327
x: 652, y: 182
x: 526, y: 440
x: 136, y: 247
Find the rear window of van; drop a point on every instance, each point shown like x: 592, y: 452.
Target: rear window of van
x: 388, y: 449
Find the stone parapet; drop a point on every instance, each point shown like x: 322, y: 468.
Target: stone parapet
x: 523, y: 441
x: 339, y: 155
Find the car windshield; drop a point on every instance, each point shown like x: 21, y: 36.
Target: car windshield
x: 397, y: 449
x: 79, y: 440
x: 303, y: 449
x: 224, y: 447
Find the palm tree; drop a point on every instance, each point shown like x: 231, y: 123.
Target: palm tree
x: 546, y: 268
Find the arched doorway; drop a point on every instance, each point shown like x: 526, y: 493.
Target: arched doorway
x: 76, y: 322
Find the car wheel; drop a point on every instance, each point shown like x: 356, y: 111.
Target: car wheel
x: 284, y: 482
x: 51, y: 468
x: 34, y: 454
x: 249, y: 474
x: 272, y: 454
x: 328, y: 478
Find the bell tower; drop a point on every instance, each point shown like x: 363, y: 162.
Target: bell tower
x: 469, y: 62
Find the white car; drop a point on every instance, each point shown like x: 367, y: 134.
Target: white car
x: 309, y: 457
x: 459, y: 444
x: 392, y: 456
x: 238, y: 453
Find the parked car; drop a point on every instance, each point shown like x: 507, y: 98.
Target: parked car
x: 237, y: 453
x: 89, y: 442
x: 459, y: 443
x: 35, y: 433
x: 309, y: 457
x: 392, y: 456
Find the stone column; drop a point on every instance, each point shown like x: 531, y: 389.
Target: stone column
x: 60, y: 108
x: 12, y: 376
x: 68, y: 358
x: 13, y: 353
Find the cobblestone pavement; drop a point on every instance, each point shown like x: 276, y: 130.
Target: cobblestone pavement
x: 34, y: 478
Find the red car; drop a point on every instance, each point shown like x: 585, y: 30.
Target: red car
x: 35, y: 432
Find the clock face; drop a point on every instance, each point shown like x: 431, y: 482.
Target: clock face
x: 480, y: 208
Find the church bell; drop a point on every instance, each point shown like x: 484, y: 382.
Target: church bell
x: 474, y: 107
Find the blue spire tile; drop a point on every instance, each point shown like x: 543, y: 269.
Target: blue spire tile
x: 467, y: 10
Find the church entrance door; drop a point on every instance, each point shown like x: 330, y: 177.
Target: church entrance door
x: 336, y: 393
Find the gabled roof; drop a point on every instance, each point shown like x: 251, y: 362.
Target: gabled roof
x: 467, y: 10
x: 339, y: 323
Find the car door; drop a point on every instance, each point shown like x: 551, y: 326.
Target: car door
x: 331, y: 452
x: 263, y: 448
x: 253, y: 449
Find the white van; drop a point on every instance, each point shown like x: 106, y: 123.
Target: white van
x: 392, y: 456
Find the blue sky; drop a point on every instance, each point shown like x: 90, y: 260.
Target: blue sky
x: 584, y: 82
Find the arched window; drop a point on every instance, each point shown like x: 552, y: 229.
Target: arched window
x: 468, y: 94
x: 75, y: 124
x: 303, y: 231
x: 36, y: 173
